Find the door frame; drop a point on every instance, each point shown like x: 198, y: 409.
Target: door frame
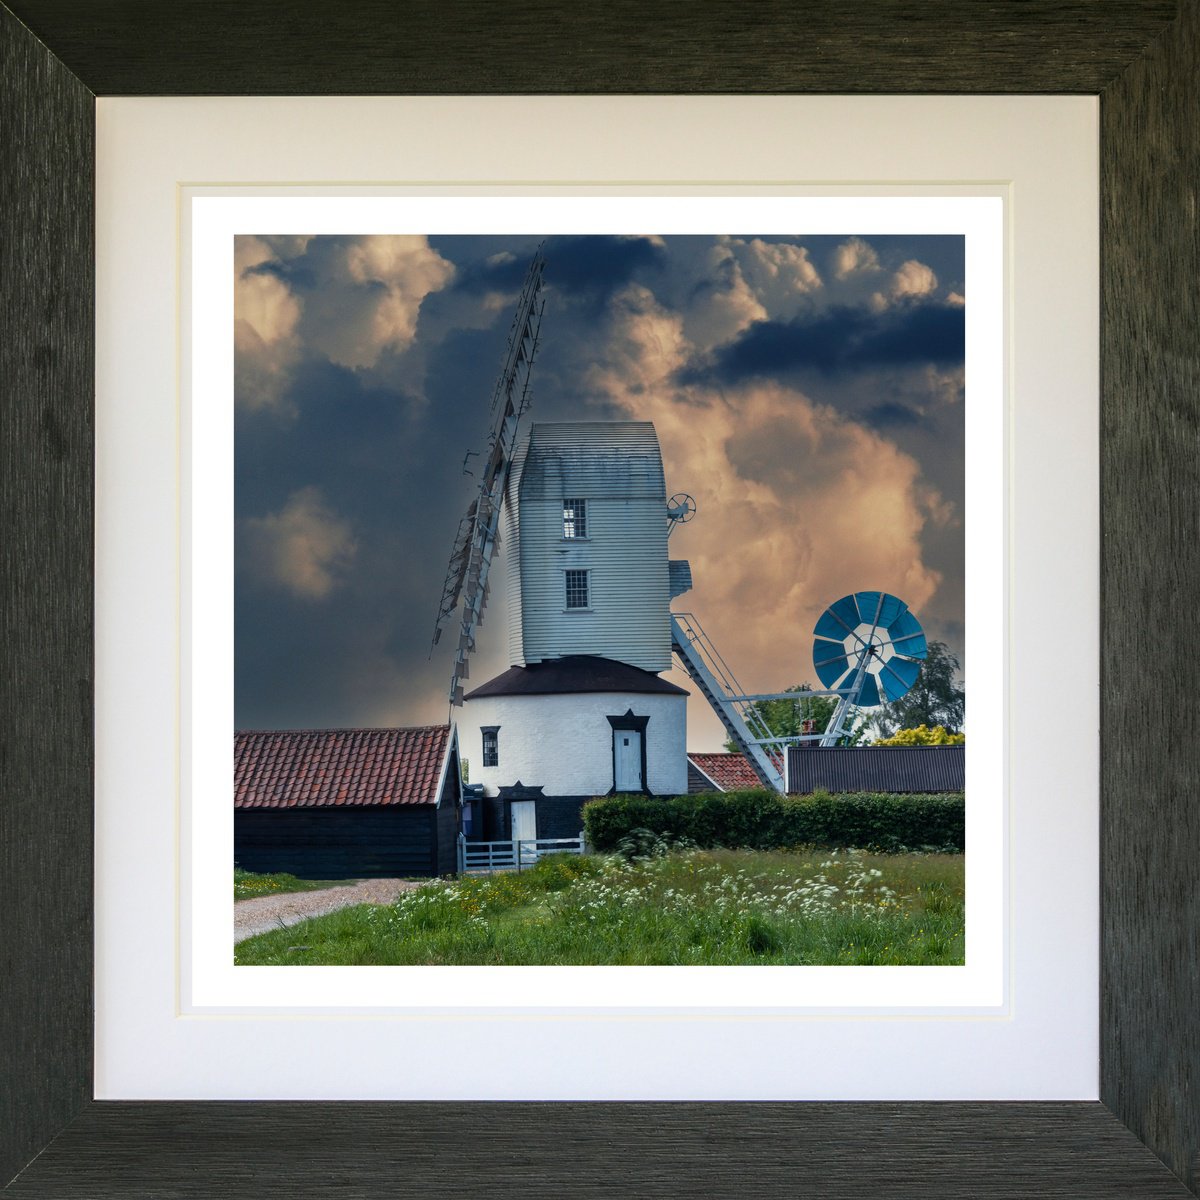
x: 628, y: 721
x: 522, y: 856
x: 624, y: 752
x: 512, y: 824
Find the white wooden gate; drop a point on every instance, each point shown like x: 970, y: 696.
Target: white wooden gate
x: 486, y: 858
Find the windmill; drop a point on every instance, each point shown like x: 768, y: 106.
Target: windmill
x: 475, y: 541
x: 590, y: 624
x: 867, y: 648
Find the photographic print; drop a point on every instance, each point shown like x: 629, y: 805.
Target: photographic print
x: 599, y: 599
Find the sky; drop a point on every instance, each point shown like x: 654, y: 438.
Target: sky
x: 807, y: 392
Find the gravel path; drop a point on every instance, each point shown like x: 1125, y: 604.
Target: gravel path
x: 263, y: 913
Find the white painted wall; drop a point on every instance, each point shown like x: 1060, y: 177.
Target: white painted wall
x: 564, y: 742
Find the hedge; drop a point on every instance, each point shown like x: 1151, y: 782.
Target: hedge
x: 763, y: 820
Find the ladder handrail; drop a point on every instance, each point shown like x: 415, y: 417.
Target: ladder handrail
x: 754, y: 721
x: 743, y: 705
x: 693, y: 661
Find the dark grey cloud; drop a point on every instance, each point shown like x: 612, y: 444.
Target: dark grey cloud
x: 842, y: 339
x: 598, y: 266
x: 892, y: 415
x: 297, y: 273
x: 586, y: 266
x: 376, y: 448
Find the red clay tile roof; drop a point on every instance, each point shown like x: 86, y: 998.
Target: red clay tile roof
x: 730, y: 772
x: 321, y: 768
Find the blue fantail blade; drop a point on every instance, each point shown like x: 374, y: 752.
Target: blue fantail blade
x: 868, y: 606
x: 890, y: 610
x: 897, y: 676
x: 869, y: 696
x: 830, y: 662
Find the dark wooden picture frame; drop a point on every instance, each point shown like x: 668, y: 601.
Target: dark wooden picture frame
x: 1142, y: 57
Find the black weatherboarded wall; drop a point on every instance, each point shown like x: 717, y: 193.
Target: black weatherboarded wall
x: 557, y: 817
x: 340, y: 843
x: 446, y: 825
x: 560, y: 816
x: 902, y: 769
x: 347, y: 803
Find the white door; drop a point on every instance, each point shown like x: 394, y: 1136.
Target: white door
x: 524, y: 829
x: 629, y: 760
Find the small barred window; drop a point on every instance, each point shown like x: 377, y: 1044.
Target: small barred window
x: 574, y: 519
x: 491, y: 747
x: 577, y: 589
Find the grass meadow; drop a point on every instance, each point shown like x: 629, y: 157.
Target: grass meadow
x: 693, y: 907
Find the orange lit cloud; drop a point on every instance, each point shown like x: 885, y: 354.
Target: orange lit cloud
x: 913, y: 279
x: 305, y: 547
x: 375, y: 307
x: 854, y: 256
x: 265, y: 318
x: 371, y: 293
x: 798, y: 505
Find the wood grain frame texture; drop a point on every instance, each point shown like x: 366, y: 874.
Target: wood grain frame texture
x: 1143, y: 58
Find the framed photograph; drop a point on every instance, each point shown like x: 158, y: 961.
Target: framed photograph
x: 638, y: 339
x: 1049, y: 1036
x: 638, y: 345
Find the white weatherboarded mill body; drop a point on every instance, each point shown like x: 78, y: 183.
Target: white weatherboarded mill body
x: 582, y: 711
x: 589, y: 497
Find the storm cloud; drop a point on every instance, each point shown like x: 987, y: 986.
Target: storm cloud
x: 844, y: 339
x: 808, y: 392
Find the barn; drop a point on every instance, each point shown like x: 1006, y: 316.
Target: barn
x: 897, y: 769
x: 721, y: 772
x: 347, y: 803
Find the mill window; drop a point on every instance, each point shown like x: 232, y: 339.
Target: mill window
x: 491, y: 746
x: 574, y: 519
x: 577, y: 589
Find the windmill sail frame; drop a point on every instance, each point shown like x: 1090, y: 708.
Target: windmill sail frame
x: 478, y: 535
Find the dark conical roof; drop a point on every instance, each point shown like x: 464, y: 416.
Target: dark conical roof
x: 574, y: 673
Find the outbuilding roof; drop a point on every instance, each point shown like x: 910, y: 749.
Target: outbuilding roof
x: 725, y: 772
x: 575, y: 673
x: 326, y: 768
x: 876, y: 769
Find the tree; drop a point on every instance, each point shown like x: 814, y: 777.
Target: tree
x: 784, y: 717
x: 922, y: 735
x: 936, y: 698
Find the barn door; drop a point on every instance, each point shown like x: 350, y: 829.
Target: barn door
x: 628, y: 760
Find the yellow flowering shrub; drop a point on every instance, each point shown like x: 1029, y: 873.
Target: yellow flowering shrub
x: 923, y: 736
